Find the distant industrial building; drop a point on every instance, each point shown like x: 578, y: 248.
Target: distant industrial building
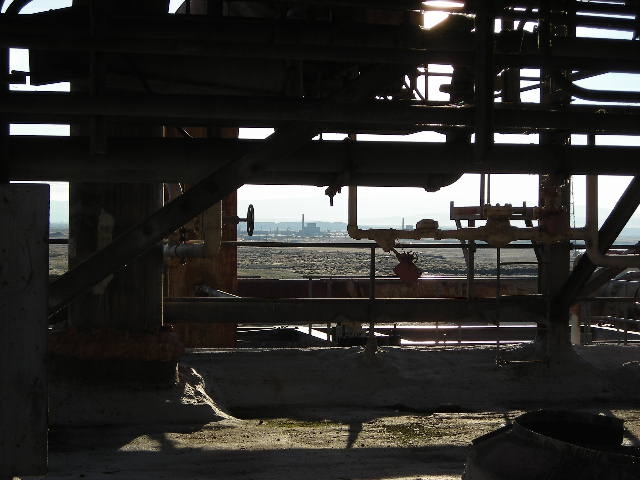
x: 309, y: 229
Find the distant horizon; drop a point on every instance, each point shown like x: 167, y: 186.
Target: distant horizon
x: 630, y: 233
x: 59, y: 215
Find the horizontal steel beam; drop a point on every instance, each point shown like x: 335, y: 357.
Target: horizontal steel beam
x: 233, y: 37
x: 142, y: 237
x: 208, y: 191
x: 401, y: 5
x: 40, y: 107
x: 317, y: 41
x: 317, y: 163
x: 302, y: 311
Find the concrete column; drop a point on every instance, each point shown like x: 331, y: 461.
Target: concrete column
x: 131, y: 299
x: 24, y: 278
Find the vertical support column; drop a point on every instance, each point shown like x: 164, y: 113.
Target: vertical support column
x: 24, y: 278
x: 372, y: 343
x: 484, y: 81
x: 511, y: 76
x: 131, y: 299
x: 126, y: 307
x: 4, y: 124
x: 554, y: 192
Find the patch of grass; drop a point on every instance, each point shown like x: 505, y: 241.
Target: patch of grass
x: 292, y: 423
x: 415, y: 430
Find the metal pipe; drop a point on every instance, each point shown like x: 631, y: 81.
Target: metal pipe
x: 352, y: 222
x: 185, y: 250
x: 499, y: 237
x: 16, y: 6
x: 600, y: 95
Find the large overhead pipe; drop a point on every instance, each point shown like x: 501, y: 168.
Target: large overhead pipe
x: 600, y: 95
x: 42, y: 107
x: 317, y: 163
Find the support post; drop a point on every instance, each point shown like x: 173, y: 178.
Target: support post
x: 484, y: 82
x: 24, y: 278
x: 554, y: 194
x: 4, y: 123
x: 128, y: 301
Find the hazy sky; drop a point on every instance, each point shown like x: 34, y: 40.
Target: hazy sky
x: 389, y: 205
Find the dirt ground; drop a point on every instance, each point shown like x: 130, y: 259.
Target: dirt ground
x: 335, y: 413
x: 285, y: 263
x: 324, y: 262
x: 315, y: 444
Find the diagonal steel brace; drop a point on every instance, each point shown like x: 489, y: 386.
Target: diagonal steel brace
x: 140, y: 238
x: 613, y: 225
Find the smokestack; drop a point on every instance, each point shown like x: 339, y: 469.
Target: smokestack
x: 402, y: 223
x: 302, y: 222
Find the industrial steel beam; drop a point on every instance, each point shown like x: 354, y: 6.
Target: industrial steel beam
x: 316, y: 163
x: 213, y: 188
x: 302, y: 311
x: 232, y: 37
x: 613, y: 225
x: 152, y: 230
x: 398, y: 5
x: 273, y: 111
x: 317, y: 41
x: 485, y: 79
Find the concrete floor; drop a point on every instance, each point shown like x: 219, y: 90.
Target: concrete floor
x: 326, y: 413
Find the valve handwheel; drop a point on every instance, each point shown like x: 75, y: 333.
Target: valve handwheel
x: 250, y: 220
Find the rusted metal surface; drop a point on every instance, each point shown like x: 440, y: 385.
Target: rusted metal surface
x: 442, y: 287
x: 219, y: 270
